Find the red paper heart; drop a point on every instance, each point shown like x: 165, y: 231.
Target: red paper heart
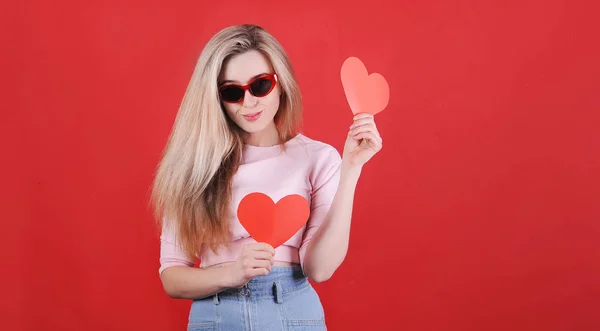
x: 365, y: 93
x: 273, y: 223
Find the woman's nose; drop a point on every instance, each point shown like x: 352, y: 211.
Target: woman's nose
x: 249, y: 100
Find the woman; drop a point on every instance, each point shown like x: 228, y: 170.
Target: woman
x: 237, y: 132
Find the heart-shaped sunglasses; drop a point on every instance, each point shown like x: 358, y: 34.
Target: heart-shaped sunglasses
x: 259, y: 87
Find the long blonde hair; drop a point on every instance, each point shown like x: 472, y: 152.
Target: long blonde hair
x: 193, y: 184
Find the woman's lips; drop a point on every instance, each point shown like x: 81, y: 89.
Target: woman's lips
x: 252, y: 116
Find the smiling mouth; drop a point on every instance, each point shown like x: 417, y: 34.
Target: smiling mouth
x: 252, y: 116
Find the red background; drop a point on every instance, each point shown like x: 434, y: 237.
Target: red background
x: 481, y: 212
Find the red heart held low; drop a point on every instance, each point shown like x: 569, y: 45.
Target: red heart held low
x: 273, y: 223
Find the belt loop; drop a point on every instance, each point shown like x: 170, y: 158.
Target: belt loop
x: 278, y: 293
x: 216, y: 299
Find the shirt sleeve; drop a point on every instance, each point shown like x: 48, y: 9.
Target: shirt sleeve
x: 325, y: 178
x: 171, y: 253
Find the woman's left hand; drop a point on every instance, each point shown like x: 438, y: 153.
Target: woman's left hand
x: 363, y: 141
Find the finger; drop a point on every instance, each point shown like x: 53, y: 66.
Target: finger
x: 263, y: 247
x: 364, y: 128
x: 263, y: 255
x: 362, y: 115
x: 259, y: 272
x: 362, y: 121
x: 374, y: 140
x: 368, y: 135
x: 266, y: 264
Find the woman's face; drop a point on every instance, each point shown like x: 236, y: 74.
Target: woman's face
x: 252, y: 114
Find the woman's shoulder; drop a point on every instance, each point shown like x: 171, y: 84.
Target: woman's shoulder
x: 324, y: 160
x: 318, y: 150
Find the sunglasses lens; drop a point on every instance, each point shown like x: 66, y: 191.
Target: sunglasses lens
x: 261, y: 87
x: 232, y: 93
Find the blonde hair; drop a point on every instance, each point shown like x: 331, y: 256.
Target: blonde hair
x: 193, y: 184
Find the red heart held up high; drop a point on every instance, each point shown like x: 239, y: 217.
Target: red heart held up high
x: 273, y: 223
x: 366, y: 93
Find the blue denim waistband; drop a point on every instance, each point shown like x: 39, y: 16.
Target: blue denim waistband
x: 280, y: 281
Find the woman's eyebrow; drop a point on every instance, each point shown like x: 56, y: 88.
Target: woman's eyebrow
x: 235, y: 81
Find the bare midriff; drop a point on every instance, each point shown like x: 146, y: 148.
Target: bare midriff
x: 277, y: 263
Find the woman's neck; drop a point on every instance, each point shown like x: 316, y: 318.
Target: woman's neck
x: 265, y: 138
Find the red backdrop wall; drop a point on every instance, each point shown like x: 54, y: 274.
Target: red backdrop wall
x: 480, y: 213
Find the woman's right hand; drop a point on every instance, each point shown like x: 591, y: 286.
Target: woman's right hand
x: 256, y: 259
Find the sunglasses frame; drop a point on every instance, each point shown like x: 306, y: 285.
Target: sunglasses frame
x: 272, y: 77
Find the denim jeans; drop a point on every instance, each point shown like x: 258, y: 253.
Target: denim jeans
x: 282, y: 300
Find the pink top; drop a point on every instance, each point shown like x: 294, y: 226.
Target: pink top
x: 308, y: 167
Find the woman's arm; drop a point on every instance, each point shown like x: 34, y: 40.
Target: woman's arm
x: 327, y: 249
x: 182, y: 282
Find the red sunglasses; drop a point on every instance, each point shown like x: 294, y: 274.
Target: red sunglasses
x: 259, y: 87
